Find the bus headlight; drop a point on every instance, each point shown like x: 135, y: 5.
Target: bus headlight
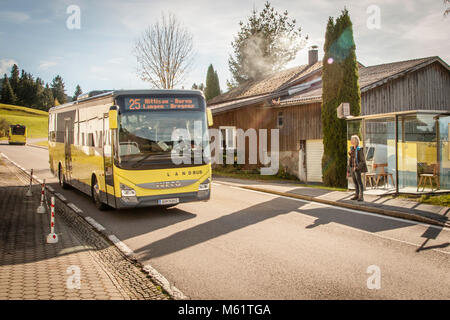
x: 127, y: 191
x: 204, y: 186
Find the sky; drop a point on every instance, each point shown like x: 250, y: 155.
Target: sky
x: 99, y: 55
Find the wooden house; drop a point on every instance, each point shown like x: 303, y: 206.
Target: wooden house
x: 290, y: 100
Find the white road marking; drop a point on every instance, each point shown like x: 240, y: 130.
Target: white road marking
x: 50, y: 188
x: 392, y: 239
x: 119, y: 244
x: 95, y: 224
x: 60, y: 196
x: 343, y: 208
x: 359, y: 212
x: 74, y: 207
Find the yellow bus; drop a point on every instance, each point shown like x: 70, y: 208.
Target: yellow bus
x: 122, y: 147
x: 17, y: 134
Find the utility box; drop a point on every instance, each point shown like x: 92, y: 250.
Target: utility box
x: 343, y: 111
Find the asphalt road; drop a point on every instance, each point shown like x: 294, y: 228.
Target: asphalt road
x: 250, y: 245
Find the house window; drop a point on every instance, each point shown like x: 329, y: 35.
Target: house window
x: 228, y: 137
x: 280, y: 119
x: 91, y: 140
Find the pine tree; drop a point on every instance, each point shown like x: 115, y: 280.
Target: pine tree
x: 58, y: 89
x: 77, y: 92
x: 264, y: 44
x: 8, y: 96
x: 212, y: 88
x: 39, y: 94
x: 340, y: 84
x: 217, y: 82
x: 47, y: 100
x: 14, y: 77
x: 26, y: 90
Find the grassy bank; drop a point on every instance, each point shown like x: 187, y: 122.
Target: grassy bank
x: 36, y: 121
x: 439, y: 200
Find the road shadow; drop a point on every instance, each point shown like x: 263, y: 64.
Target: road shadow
x: 432, y: 233
x: 136, y: 221
x: 262, y: 212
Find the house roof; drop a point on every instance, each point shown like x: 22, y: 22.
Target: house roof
x: 376, y: 75
x: 369, y: 77
x: 269, y: 84
x: 276, y: 84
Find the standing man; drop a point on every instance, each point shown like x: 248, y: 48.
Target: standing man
x: 357, y: 165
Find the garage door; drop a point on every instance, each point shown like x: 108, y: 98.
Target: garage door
x: 314, y: 153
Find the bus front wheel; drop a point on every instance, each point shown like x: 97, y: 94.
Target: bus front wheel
x: 95, y: 191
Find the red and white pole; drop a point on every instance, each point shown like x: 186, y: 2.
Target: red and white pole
x: 29, y: 193
x: 41, y: 208
x: 52, y: 236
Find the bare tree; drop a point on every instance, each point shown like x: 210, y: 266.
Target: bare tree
x: 164, y: 52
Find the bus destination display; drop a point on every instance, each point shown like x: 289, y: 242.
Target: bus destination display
x: 152, y: 103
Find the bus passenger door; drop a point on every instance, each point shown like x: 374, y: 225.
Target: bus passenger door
x: 67, y: 149
x: 108, y: 161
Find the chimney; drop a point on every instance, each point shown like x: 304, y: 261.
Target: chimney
x: 313, y: 55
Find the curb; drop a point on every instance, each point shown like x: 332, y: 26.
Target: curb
x: 153, y: 274
x: 391, y: 213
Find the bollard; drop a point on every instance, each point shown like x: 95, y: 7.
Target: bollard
x: 41, y: 208
x: 52, y: 236
x: 29, y: 193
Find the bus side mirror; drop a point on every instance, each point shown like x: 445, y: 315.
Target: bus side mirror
x: 112, y: 119
x: 210, y: 117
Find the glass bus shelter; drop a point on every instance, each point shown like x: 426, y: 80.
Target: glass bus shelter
x: 406, y: 152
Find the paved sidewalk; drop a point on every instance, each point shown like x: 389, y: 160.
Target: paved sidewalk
x: 377, y: 204
x: 32, y: 269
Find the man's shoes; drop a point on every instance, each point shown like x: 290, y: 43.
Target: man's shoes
x: 360, y: 198
x: 355, y: 197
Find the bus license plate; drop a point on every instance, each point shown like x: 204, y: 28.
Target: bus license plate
x: 168, y: 201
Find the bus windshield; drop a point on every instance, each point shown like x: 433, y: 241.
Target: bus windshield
x: 148, y: 139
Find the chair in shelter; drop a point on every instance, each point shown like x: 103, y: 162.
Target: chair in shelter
x: 370, y: 177
x: 383, y: 174
x: 423, y: 177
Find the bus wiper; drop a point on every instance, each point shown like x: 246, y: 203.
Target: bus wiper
x: 137, y: 164
x: 142, y: 160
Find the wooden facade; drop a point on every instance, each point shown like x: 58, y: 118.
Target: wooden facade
x: 299, y: 122
x: 302, y: 122
x: 427, y: 88
x: 253, y: 116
